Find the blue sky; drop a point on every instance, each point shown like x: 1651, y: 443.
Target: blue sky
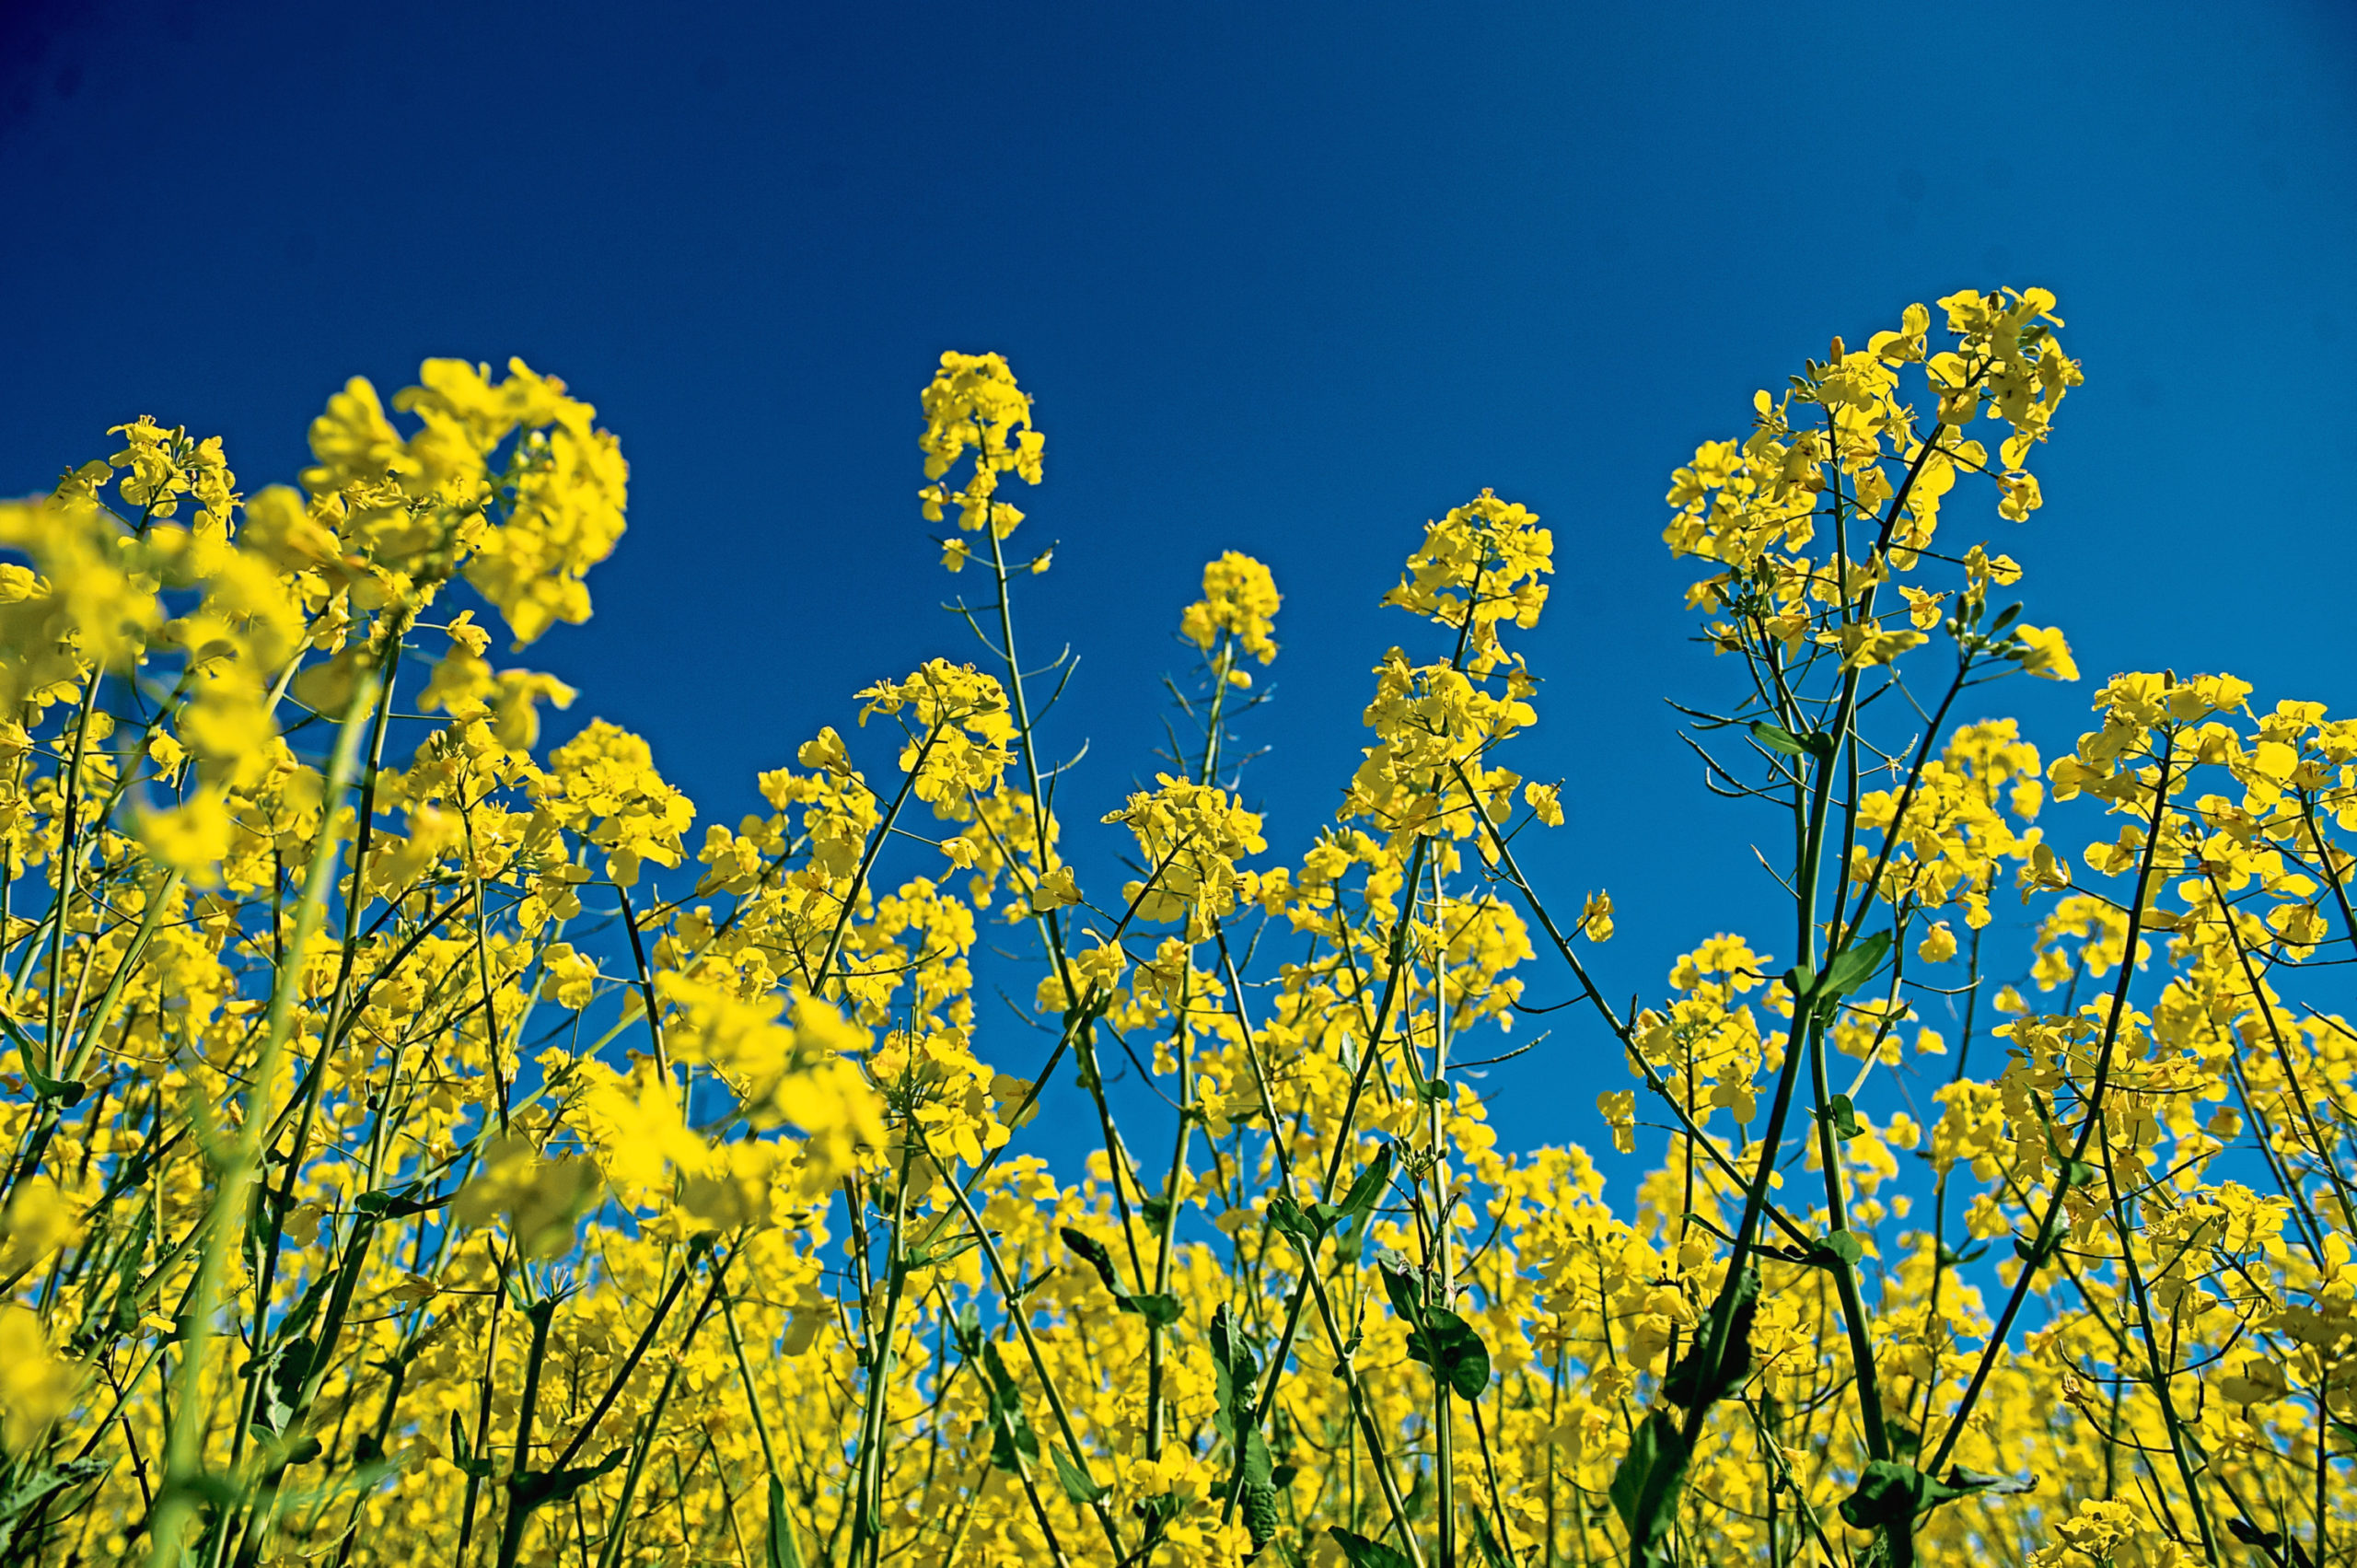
x: 1287, y: 279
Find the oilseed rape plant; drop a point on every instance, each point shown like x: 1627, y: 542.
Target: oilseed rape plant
x: 426, y: 1145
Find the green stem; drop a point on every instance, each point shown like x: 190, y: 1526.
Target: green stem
x: 867, y: 1525
x: 519, y: 1512
x: 1022, y: 1322
x: 183, y: 1457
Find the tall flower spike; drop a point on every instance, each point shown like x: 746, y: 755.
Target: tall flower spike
x: 1239, y: 596
x: 973, y: 403
x: 524, y: 528
x: 1479, y: 565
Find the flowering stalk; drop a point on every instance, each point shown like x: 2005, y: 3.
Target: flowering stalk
x: 241, y: 1165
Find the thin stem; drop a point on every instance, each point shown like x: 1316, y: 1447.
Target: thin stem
x: 2094, y: 1119
x: 183, y: 1458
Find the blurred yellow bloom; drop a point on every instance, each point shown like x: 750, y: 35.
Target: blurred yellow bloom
x: 37, y: 1388
x: 1239, y: 598
x: 191, y: 837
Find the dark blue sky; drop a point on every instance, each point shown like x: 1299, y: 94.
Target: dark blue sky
x: 1288, y: 279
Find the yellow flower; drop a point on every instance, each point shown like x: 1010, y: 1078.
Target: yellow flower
x: 36, y: 1387
x: 1239, y: 598
x: 569, y: 979
x: 1619, y: 1108
x: 2046, y: 656
x: 2261, y: 1381
x: 1922, y: 609
x: 191, y: 837
x: 1863, y: 643
x: 39, y: 1222
x: 1056, y: 890
x: 974, y: 404
x: 602, y: 785
x: 1190, y: 836
x: 838, y: 1114
x: 1480, y: 567
x: 542, y: 1200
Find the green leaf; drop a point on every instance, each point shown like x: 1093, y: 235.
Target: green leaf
x: 1842, y: 1246
x: 30, y: 1488
x: 302, y: 1451
x: 780, y: 1550
x: 1305, y: 1227
x: 1699, y: 1380
x: 1845, y: 1116
x: 463, y: 1458
x: 1237, y: 1373
x: 1093, y: 1251
x: 397, y: 1202
x: 1076, y: 1484
x: 121, y: 1297
x: 1888, y: 1495
x: 1961, y: 1481
x: 2268, y: 1541
x: 1853, y: 966
x: 1259, y: 1491
x: 1367, y: 1187
x: 65, y: 1091
x: 1450, y: 1346
x: 1646, y: 1486
x: 1361, y: 1553
x: 935, y: 1253
x: 1436, y: 1337
x: 1359, y: 1203
x: 1405, y: 1288
x: 533, y: 1490
x: 1776, y: 738
x: 282, y: 1390
x: 1487, y: 1538
x: 2036, y: 1254
x: 306, y: 1307
x: 1012, y: 1439
x: 1159, y: 1310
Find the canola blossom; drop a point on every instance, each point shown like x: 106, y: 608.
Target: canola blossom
x: 429, y: 1147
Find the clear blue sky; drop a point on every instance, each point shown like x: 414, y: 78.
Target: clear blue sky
x: 1284, y: 278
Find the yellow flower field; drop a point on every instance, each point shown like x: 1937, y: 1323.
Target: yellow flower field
x: 428, y: 1146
